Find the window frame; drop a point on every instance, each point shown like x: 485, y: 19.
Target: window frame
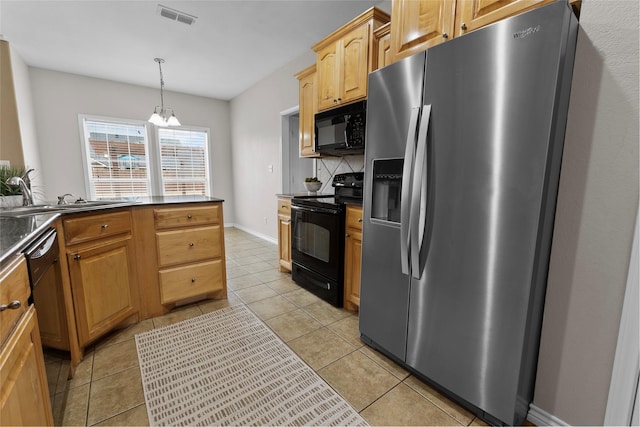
x: 208, y: 161
x: 152, y: 147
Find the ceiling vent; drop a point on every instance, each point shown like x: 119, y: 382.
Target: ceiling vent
x: 176, y: 15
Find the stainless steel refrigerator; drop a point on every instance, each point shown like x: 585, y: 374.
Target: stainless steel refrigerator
x: 463, y: 153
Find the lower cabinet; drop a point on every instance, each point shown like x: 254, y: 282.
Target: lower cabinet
x: 103, y: 283
x: 284, y: 233
x: 48, y: 296
x: 184, y: 255
x: 24, y: 392
x: 352, y: 257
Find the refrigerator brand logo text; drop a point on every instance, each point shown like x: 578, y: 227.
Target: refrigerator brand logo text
x: 524, y: 33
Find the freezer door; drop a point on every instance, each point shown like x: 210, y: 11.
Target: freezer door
x: 393, y: 107
x: 492, y: 163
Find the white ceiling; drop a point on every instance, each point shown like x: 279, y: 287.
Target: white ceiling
x: 232, y: 45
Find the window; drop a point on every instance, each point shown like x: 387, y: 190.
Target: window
x: 116, y: 159
x: 183, y: 160
x: 121, y: 161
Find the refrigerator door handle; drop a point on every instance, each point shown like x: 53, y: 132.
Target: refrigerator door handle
x: 407, y: 178
x: 419, y: 196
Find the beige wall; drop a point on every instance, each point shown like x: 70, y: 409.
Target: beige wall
x: 597, y: 205
x: 26, y: 121
x: 10, y: 145
x: 60, y: 97
x: 256, y: 133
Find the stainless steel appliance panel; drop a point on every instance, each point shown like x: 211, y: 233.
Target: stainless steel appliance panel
x: 394, y: 92
x: 489, y: 166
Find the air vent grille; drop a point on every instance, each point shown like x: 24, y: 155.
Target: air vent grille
x: 176, y: 15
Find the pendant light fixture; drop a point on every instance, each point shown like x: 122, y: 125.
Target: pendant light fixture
x: 159, y: 116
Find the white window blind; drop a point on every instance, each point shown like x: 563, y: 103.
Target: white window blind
x: 183, y: 159
x: 117, y: 159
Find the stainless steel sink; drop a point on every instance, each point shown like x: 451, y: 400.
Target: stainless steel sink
x: 19, y: 211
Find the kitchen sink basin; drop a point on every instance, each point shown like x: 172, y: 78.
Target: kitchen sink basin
x: 20, y: 211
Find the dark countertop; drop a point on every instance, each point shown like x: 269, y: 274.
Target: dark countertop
x: 303, y: 194
x: 16, y: 233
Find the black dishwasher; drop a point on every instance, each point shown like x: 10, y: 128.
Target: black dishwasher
x: 41, y: 256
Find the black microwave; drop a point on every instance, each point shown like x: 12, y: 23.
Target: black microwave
x: 340, y: 131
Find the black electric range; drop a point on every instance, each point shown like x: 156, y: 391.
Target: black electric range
x: 317, y: 237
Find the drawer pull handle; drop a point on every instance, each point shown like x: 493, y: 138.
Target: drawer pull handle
x: 283, y: 206
x: 359, y: 219
x: 189, y: 216
x: 105, y: 226
x: 13, y: 305
x: 193, y: 280
x: 76, y: 257
x: 191, y: 244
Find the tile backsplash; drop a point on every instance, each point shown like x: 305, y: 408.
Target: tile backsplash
x: 327, y: 167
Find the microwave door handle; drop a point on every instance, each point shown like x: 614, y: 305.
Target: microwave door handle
x: 405, y: 202
x: 419, y: 196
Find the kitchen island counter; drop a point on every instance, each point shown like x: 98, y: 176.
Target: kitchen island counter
x: 18, y: 231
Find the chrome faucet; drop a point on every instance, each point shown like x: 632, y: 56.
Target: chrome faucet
x: 27, y: 196
x: 61, y: 199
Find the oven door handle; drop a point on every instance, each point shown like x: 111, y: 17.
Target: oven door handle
x: 314, y: 209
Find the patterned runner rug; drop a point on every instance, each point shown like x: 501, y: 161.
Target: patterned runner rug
x: 228, y: 368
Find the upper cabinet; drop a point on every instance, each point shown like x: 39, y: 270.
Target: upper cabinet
x: 419, y: 24
x: 308, y: 108
x: 473, y: 14
x: 344, y: 60
x: 382, y: 46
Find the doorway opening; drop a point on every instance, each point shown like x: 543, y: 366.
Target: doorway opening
x: 294, y: 168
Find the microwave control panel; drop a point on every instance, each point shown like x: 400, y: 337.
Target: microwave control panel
x: 357, y: 125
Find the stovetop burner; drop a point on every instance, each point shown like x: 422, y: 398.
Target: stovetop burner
x: 347, y: 187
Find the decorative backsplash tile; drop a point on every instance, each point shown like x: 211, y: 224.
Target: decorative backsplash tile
x: 327, y: 167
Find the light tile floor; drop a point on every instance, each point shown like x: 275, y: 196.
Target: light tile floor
x: 107, y: 389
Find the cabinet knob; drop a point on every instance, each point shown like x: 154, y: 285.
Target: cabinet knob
x: 359, y: 219
x: 339, y: 99
x: 193, y: 280
x: 463, y: 26
x: 189, y: 216
x: 13, y: 305
x: 283, y: 206
x: 105, y: 226
x: 347, y: 235
x: 445, y: 35
x: 76, y: 257
x: 335, y: 101
x: 191, y: 244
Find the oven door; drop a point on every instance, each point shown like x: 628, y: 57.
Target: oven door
x: 317, y: 239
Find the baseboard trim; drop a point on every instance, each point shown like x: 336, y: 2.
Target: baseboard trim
x: 255, y: 233
x: 540, y: 417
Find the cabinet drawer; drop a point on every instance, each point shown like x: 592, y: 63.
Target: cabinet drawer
x: 91, y: 227
x: 354, y: 217
x: 186, y: 216
x: 14, y: 286
x: 284, y: 207
x: 189, y: 245
x: 189, y: 281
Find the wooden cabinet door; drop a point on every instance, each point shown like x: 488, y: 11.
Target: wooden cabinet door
x: 352, y: 259
x: 24, y: 393
x: 284, y: 242
x: 102, y: 282
x: 419, y: 24
x: 308, y: 101
x: 328, y: 76
x: 382, y: 46
x: 354, y: 65
x: 52, y: 318
x: 473, y: 14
